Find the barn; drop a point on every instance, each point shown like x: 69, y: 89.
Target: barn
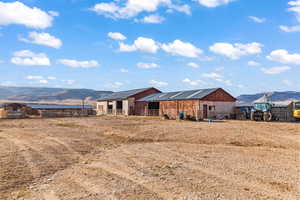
x: 193, y: 104
x: 123, y: 102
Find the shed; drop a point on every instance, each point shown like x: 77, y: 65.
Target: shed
x: 123, y: 102
x: 192, y: 104
x: 12, y: 111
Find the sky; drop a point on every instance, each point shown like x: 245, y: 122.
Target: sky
x: 243, y: 46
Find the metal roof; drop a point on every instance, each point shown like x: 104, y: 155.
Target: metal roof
x: 122, y: 94
x: 180, y: 95
x: 58, y: 106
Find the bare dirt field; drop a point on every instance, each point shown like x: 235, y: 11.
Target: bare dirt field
x: 144, y: 158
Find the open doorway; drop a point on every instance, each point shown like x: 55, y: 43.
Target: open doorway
x: 109, y: 108
x: 153, y: 108
x: 119, y: 107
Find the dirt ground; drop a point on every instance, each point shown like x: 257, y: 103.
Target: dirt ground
x: 146, y: 158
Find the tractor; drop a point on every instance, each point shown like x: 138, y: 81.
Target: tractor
x: 296, y: 110
x: 262, y: 112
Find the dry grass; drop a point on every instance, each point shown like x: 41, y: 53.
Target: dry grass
x: 148, y: 158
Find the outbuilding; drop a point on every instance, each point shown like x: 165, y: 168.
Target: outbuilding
x: 123, y: 102
x: 193, y: 104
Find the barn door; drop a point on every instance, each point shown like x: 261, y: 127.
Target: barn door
x: 205, y: 114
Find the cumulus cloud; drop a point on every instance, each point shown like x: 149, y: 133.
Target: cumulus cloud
x: 213, y: 3
x: 124, y: 70
x: 79, y: 64
x: 283, y: 56
x: 18, y: 13
x: 40, y: 79
x: 275, y: 70
x: 69, y: 82
x: 141, y: 44
x: 30, y: 77
x: 133, y: 8
x: 295, y: 8
x: 116, y: 36
x: 194, y: 82
x: 212, y: 75
x: 253, y: 63
x: 257, y: 19
x: 147, y: 65
x: 114, y: 85
x: 158, y: 83
x: 290, y: 29
x: 193, y: 65
x: 287, y: 82
x: 43, y: 39
x: 29, y: 58
x: 180, y: 48
x: 153, y: 19
x: 237, y: 50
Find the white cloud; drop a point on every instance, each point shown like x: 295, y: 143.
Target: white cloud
x: 237, y: 50
x: 295, y: 7
x: 78, y: 64
x: 40, y: 79
x: 133, y: 8
x: 140, y: 44
x: 180, y: 48
x: 287, y: 82
x: 44, y: 81
x: 218, y: 69
x: 213, y: 3
x: 212, y: 75
x: 147, y: 65
x: 253, y: 63
x: 283, y: 56
x: 43, y: 39
x: 53, y: 13
x: 114, y: 85
x: 180, y: 8
x: 290, y: 29
x: 18, y: 13
x: 124, y: 70
x: 257, y: 19
x: 30, y: 58
x: 34, y: 78
x: 153, y: 19
x: 275, y: 70
x: 51, y: 78
x: 116, y: 36
x: 69, y: 82
x: 193, y: 65
x: 194, y: 83
x: 158, y: 83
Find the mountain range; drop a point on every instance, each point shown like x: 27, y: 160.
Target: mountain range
x: 274, y: 97
x: 35, y: 94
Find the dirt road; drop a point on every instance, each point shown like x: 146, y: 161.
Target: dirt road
x: 145, y: 158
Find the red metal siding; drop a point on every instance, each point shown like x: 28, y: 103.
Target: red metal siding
x: 173, y: 108
x: 146, y: 93
x: 219, y: 95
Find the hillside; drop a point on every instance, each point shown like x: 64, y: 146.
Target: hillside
x: 48, y: 94
x: 275, y: 97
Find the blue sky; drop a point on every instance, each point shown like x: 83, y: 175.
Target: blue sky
x: 244, y: 46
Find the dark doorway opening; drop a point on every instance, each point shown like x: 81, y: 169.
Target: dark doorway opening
x: 109, y: 109
x: 205, y: 112
x: 153, y: 108
x: 119, y: 107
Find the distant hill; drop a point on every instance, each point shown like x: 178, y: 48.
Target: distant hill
x: 48, y: 94
x: 275, y: 97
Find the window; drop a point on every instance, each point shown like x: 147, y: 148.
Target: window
x: 212, y: 108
